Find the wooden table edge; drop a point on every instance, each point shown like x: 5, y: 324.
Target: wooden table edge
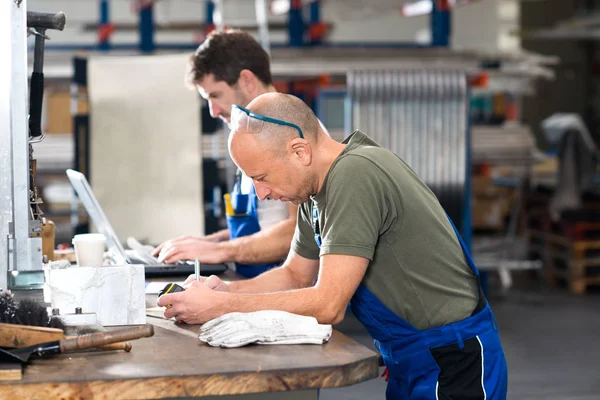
x: 206, y: 385
x: 221, y: 383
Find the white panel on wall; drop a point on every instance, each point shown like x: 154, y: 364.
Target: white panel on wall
x: 475, y: 27
x: 145, y: 146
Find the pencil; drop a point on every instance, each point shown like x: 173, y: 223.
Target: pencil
x: 197, y: 269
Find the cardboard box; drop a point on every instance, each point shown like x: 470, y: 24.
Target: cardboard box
x: 57, y: 106
x: 490, y: 213
x: 490, y: 203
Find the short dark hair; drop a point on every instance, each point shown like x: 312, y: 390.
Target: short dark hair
x: 225, y: 54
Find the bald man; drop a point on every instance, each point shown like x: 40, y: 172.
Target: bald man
x: 369, y: 233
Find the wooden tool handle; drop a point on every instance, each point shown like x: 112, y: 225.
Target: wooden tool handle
x: 103, y: 338
x: 126, y: 346
x: 16, y: 336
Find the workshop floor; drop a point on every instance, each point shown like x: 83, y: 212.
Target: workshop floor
x: 551, y: 342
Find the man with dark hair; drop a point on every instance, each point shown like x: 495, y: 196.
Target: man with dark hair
x: 231, y: 67
x: 225, y: 54
x: 369, y: 233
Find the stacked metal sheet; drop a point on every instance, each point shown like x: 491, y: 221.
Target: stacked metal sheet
x: 510, y: 145
x: 422, y: 116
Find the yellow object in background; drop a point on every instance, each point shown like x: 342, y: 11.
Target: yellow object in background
x: 228, y: 207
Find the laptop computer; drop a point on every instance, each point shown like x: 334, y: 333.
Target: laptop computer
x: 119, y: 254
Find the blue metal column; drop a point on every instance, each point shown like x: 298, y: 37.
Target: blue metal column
x: 441, y: 24
x: 316, y: 28
x: 209, y: 24
x: 104, y: 30
x: 315, y: 12
x: 146, y: 28
x: 295, y: 24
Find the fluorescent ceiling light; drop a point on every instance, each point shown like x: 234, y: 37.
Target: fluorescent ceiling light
x: 420, y: 7
x: 280, y: 7
x: 423, y: 7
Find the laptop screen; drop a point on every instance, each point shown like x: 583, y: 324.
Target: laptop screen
x: 91, y: 205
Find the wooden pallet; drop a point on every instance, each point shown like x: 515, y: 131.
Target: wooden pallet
x: 539, y: 220
x: 575, y: 262
x: 573, y: 223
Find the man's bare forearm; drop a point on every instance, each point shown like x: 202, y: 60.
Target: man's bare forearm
x: 309, y: 301
x: 219, y: 236
x: 274, y: 280
x: 266, y: 246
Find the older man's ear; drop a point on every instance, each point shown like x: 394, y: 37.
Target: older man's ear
x: 301, y: 150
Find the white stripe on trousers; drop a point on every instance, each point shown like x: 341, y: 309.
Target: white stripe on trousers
x: 482, y: 369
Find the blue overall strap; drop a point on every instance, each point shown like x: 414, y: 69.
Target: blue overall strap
x: 482, y: 302
x: 464, y: 248
x: 245, y: 223
x: 239, y: 201
x: 237, y: 184
x: 253, y: 201
x: 316, y: 225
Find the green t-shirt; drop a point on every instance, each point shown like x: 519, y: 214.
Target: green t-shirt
x: 373, y: 205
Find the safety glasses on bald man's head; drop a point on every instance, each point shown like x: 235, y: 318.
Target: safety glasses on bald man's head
x: 253, y: 122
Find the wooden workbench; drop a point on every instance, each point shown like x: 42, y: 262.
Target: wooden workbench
x: 174, y: 363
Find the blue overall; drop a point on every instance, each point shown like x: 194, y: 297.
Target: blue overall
x: 463, y: 360
x: 244, y: 222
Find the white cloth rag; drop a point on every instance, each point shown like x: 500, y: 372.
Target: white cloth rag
x: 263, y: 327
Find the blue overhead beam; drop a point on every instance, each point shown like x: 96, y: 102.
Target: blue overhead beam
x: 193, y: 46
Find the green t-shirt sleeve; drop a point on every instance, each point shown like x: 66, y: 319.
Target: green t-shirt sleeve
x: 356, y: 210
x: 304, y: 243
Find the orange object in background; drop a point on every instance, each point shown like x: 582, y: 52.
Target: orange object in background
x: 317, y: 31
x: 308, y: 87
x: 499, y: 104
x: 480, y: 80
x: 442, y: 5
x: 483, y: 170
x: 105, y: 32
x: 511, y: 112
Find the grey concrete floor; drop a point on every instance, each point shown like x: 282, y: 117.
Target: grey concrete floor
x: 551, y: 341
